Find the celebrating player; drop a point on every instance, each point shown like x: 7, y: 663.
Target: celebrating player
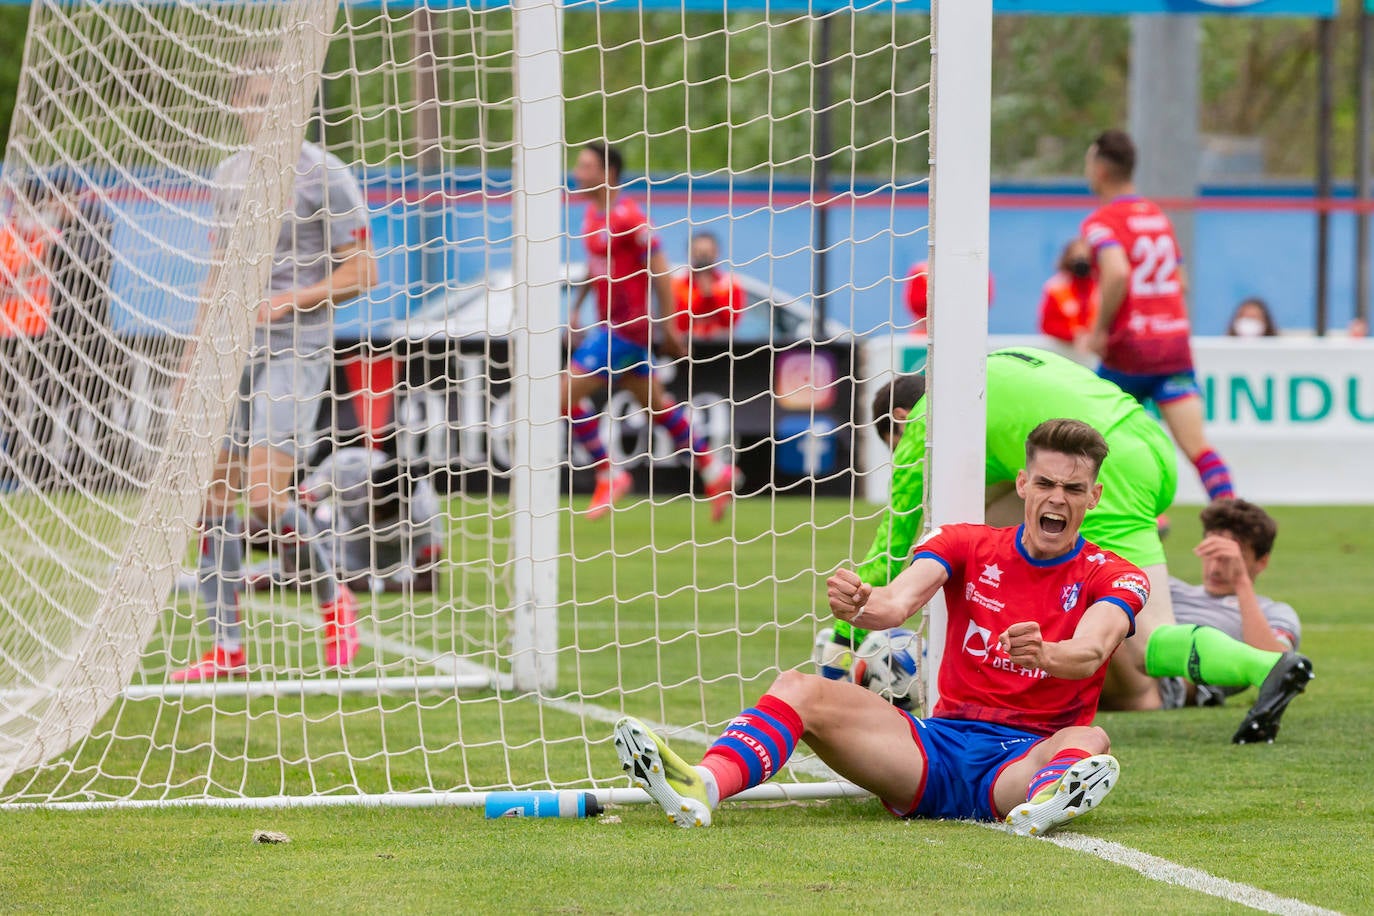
x: 1035, y: 612
x: 1142, y: 321
x: 623, y: 261
x: 1025, y: 387
x: 1238, y: 538
x: 323, y: 257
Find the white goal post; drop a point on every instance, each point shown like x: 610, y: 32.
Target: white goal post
x: 801, y: 141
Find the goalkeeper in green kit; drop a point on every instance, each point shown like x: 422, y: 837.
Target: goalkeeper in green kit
x: 1027, y: 386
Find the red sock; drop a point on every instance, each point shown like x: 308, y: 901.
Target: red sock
x: 1053, y: 771
x: 754, y: 746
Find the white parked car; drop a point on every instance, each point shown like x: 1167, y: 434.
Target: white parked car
x: 486, y: 309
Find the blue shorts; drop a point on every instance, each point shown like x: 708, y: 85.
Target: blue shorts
x: 963, y: 760
x: 1161, y: 389
x: 604, y: 352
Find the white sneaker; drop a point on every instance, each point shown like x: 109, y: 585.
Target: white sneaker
x: 671, y: 781
x: 1081, y: 788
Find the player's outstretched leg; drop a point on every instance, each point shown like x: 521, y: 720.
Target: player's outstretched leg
x: 1081, y: 788
x: 1287, y: 679
x: 677, y: 787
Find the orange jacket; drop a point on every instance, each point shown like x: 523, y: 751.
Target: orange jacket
x: 700, y: 314
x: 24, y: 305
x: 1068, y: 306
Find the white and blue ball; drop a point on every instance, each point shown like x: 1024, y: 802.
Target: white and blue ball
x: 888, y: 662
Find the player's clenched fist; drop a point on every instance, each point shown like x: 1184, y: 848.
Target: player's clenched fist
x: 1023, y: 644
x: 847, y: 595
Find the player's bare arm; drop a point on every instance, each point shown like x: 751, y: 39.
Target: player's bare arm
x: 1113, y: 276
x: 354, y: 273
x: 887, y: 606
x: 1096, y: 637
x: 659, y: 274
x: 1254, y: 627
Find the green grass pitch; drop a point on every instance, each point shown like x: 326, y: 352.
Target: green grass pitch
x: 1292, y: 818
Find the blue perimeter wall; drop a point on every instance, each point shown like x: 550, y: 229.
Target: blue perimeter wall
x: 1249, y: 241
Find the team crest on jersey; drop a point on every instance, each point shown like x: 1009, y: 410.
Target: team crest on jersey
x: 1068, y: 598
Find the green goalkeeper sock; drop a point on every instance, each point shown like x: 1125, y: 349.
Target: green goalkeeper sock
x: 1205, y: 655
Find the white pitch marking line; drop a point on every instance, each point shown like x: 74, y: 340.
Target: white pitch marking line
x: 1157, y: 869
x: 1152, y: 867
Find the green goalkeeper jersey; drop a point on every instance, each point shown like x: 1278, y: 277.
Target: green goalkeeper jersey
x: 1027, y: 386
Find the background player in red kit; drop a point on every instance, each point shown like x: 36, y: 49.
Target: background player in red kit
x: 1142, y: 331
x: 1035, y: 612
x: 623, y: 260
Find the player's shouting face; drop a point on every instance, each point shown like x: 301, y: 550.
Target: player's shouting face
x: 1059, y: 490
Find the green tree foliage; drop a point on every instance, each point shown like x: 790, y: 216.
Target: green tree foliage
x: 710, y: 94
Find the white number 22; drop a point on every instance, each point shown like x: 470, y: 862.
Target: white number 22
x: 1156, y: 266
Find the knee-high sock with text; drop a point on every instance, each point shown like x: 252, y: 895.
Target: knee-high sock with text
x: 754, y: 746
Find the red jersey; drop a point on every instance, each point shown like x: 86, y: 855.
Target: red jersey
x: 994, y: 583
x: 1068, y: 306
x: 1149, y: 334
x: 619, y: 245
x: 700, y: 314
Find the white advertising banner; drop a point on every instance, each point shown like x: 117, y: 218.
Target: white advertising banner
x: 1293, y: 417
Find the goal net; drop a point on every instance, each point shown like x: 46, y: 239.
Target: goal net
x: 250, y: 248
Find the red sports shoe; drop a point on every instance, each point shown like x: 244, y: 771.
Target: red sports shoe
x: 720, y: 489
x: 216, y: 664
x: 340, y: 628
x: 611, y: 488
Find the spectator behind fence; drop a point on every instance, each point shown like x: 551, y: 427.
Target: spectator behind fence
x: 24, y: 311
x: 918, y: 293
x: 1068, y: 305
x: 83, y: 366
x: 706, y: 299
x: 1252, y: 318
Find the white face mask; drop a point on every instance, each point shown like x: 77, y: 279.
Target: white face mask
x: 1245, y: 326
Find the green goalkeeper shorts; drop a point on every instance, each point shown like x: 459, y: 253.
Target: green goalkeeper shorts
x: 1138, y: 481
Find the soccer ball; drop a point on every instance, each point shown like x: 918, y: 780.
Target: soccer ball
x: 887, y: 663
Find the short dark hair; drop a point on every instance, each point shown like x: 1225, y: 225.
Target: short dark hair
x: 903, y: 391
x: 1068, y: 437
x: 389, y: 490
x: 1245, y: 521
x: 1117, y: 149
x: 610, y: 157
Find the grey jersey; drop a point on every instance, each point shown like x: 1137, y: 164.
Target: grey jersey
x: 329, y: 214
x: 343, y: 479
x: 1192, y: 605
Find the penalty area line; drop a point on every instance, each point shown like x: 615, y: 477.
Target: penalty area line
x: 1193, y: 879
